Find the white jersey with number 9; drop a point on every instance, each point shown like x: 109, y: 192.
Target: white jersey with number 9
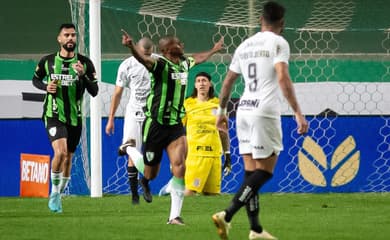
x: 255, y: 59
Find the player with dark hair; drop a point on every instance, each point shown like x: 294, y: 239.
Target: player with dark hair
x: 205, y: 142
x: 68, y: 74
x: 263, y: 62
x: 163, y: 128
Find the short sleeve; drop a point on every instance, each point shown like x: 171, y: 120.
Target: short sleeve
x: 282, y: 53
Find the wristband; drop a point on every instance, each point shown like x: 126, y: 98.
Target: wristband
x: 221, y: 111
x: 227, y: 152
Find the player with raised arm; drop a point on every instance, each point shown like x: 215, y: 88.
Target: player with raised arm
x: 135, y: 76
x: 68, y: 74
x: 263, y: 62
x: 163, y: 128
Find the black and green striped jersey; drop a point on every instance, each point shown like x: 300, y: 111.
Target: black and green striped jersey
x: 66, y: 103
x: 168, y: 89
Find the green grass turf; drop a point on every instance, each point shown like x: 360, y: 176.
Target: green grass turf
x: 287, y: 216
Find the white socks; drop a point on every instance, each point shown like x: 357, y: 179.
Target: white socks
x: 137, y: 158
x: 177, y: 196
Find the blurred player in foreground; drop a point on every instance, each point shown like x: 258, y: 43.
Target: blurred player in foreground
x: 263, y: 61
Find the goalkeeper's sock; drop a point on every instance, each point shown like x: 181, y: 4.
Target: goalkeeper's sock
x: 177, y: 197
x: 64, y: 183
x: 55, y: 181
x: 253, y: 209
x: 248, y: 189
x: 136, y: 158
x: 133, y: 179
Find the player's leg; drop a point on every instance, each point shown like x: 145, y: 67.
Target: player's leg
x: 212, y: 185
x: 57, y: 134
x: 74, y: 134
x: 154, y: 136
x: 131, y: 131
x: 197, y: 175
x: 177, y: 151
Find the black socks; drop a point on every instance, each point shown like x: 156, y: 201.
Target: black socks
x: 251, y: 185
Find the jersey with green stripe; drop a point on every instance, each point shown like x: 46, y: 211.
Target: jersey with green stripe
x: 66, y: 103
x: 168, y: 89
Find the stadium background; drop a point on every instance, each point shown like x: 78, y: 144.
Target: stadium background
x: 27, y: 38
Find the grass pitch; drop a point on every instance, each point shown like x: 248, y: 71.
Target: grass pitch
x: 287, y: 216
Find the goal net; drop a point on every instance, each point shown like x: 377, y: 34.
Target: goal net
x: 340, y: 66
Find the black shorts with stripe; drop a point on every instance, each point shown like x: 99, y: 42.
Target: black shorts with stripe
x: 156, y: 138
x: 57, y: 129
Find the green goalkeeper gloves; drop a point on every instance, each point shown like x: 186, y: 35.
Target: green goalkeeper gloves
x: 227, y: 165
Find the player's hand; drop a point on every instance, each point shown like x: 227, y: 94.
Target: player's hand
x: 222, y: 123
x: 218, y: 46
x: 52, y: 87
x: 110, y: 127
x: 127, y: 40
x: 79, y: 68
x: 227, y: 165
x: 303, y: 126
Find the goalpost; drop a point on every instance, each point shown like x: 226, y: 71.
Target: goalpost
x: 340, y: 66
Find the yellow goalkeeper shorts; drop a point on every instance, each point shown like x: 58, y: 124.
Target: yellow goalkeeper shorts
x: 203, y: 174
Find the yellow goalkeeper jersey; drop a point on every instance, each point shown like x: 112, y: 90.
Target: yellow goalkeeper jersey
x: 202, y: 133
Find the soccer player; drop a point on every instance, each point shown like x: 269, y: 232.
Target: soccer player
x: 135, y: 76
x: 163, y: 128
x: 263, y: 62
x: 205, y: 142
x: 67, y: 75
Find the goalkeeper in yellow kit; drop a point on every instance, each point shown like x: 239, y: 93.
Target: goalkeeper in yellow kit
x: 206, y: 143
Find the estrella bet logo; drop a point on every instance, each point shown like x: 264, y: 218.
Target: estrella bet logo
x: 340, y: 170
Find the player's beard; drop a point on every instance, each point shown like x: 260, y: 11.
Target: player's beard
x: 70, y: 48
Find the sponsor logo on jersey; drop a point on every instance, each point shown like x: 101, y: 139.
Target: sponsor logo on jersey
x: 204, y: 148
x: 182, y: 76
x: 63, y: 79
x: 249, y: 103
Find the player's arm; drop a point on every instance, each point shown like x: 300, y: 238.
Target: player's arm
x: 203, y: 56
x: 116, y: 98
x: 88, y: 75
x: 147, y: 61
x: 225, y: 140
x: 288, y: 91
x: 39, y: 75
x: 224, y: 97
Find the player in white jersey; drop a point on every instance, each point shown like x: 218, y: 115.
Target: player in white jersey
x: 135, y: 76
x: 262, y: 60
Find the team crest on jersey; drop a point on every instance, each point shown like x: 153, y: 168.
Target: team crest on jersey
x: 150, y: 156
x: 53, y: 131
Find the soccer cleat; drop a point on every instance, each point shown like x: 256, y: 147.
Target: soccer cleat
x: 263, y: 235
x: 176, y: 221
x: 55, y: 204
x: 135, y: 199
x: 146, y: 191
x: 221, y: 224
x: 122, y: 148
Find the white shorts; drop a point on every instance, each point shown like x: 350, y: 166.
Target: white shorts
x: 259, y: 136
x: 132, y: 128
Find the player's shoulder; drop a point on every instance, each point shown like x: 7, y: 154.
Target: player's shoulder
x: 48, y: 56
x: 190, y: 101
x: 214, y: 100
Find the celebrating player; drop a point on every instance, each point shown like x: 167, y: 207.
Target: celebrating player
x: 163, y: 128
x: 135, y: 76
